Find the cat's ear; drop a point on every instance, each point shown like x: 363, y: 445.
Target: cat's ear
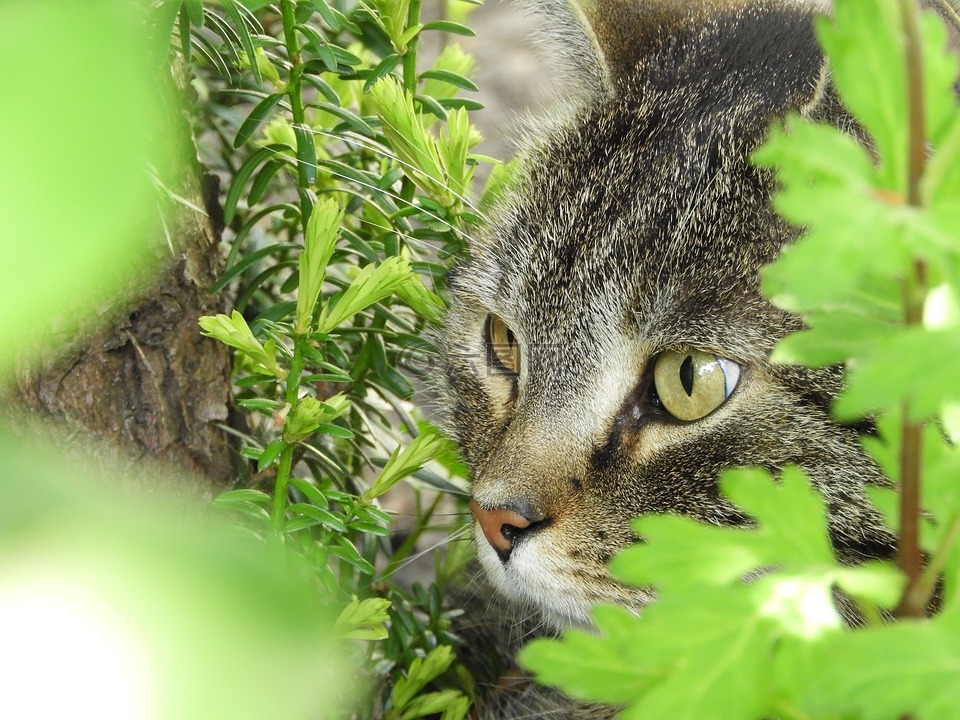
x: 573, y: 46
x: 600, y: 44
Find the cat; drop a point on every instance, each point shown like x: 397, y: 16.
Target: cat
x: 605, y: 354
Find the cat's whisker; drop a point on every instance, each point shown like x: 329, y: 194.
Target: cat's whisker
x: 413, y: 558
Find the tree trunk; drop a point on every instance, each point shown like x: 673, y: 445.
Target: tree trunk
x: 146, y: 388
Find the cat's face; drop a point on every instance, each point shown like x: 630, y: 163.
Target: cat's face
x: 606, y: 350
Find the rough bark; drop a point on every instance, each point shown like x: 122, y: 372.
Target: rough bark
x: 145, y: 387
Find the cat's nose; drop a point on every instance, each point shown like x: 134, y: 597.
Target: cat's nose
x: 503, y: 526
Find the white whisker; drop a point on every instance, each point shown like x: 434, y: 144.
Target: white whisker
x: 413, y: 558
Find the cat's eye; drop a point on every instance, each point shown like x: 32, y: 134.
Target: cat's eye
x: 691, y: 384
x: 503, y: 345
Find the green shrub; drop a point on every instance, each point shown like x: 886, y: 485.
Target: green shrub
x: 348, y: 172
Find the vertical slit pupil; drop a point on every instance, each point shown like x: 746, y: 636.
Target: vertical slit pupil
x: 686, y: 375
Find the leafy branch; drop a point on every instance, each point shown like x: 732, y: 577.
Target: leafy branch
x: 338, y: 259
x: 912, y: 604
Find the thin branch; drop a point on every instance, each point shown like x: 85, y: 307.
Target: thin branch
x: 914, y: 292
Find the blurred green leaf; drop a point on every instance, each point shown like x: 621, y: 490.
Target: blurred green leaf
x: 89, y: 205
x: 146, y: 605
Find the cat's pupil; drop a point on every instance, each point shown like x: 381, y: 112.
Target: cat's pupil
x: 686, y: 375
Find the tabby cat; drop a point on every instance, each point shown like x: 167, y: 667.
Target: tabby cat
x: 606, y: 351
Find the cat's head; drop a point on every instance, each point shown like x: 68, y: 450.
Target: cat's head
x: 606, y: 349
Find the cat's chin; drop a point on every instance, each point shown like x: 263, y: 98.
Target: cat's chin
x: 555, y: 590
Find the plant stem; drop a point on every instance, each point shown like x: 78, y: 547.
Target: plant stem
x: 914, y: 292
x: 293, y: 51
x: 908, y: 550
x: 927, y: 585
x: 410, y: 57
x: 294, y: 374
x: 295, y: 93
x: 407, y: 188
x: 280, y: 489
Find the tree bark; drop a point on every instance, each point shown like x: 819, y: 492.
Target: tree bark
x: 146, y: 388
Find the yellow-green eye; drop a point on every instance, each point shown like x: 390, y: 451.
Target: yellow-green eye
x: 691, y: 384
x: 504, y: 346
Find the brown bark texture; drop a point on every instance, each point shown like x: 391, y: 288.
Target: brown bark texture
x: 145, y: 388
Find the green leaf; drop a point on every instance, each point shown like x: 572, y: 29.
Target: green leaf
x: 941, y: 180
x: 262, y: 180
x: 264, y: 405
x: 903, y: 367
x: 255, y: 118
x: 243, y: 174
x: 346, y: 551
x: 249, y: 261
x: 464, y: 104
x: 804, y: 151
x: 449, y: 27
x: 319, y: 242
x: 383, y: 68
x: 311, y: 491
x: 611, y: 669
x: 186, y: 34
x: 194, y: 11
x: 345, y: 57
x: 370, y: 529
x: 716, y: 672
x: 453, y: 59
x: 730, y: 628
x: 270, y: 453
x: 335, y: 431
x: 306, y: 155
x: 941, y: 68
x: 430, y: 105
x: 349, y: 118
x: 421, y: 672
x: 235, y: 13
x: 680, y: 555
x: 235, y: 332
x: 331, y: 17
x: 363, y: 620
x: 246, y: 495
x: 864, y: 40
x: 451, y: 77
x: 834, y: 338
x: 408, y: 35
x: 311, y: 415
x: 910, y: 668
x: 404, y: 462
x: 430, y: 703
x: 457, y: 709
x: 372, y: 284
x: 324, y: 517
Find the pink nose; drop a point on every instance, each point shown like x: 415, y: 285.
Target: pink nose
x: 500, y: 526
